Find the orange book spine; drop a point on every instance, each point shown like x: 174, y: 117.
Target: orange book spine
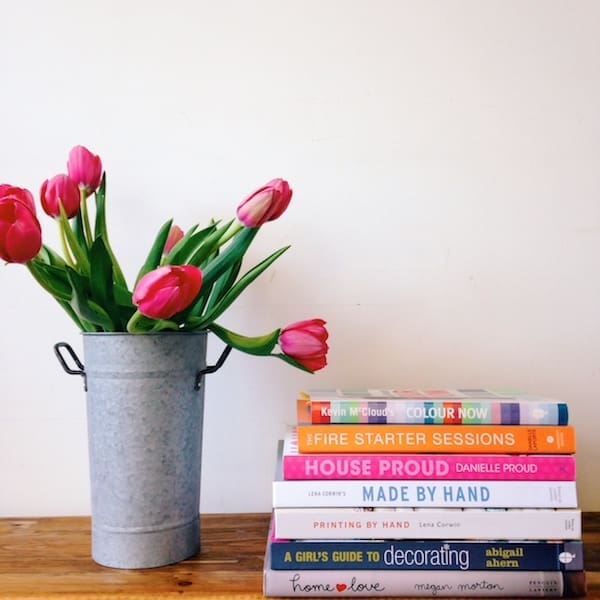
x: 443, y: 439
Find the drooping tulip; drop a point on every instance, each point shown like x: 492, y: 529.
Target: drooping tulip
x: 265, y: 204
x: 61, y: 189
x: 20, y: 231
x: 85, y: 168
x: 175, y: 234
x: 165, y: 291
x: 306, y: 342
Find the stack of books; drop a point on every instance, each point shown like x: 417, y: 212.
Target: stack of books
x: 426, y: 493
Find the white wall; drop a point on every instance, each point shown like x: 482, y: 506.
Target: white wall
x: 445, y: 159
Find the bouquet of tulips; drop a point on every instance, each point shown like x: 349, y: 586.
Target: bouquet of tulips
x: 186, y: 283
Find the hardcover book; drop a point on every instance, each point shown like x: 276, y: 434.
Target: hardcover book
x: 451, y: 439
x: 450, y: 576
x: 421, y: 493
x: 427, y: 523
x: 450, y: 407
x: 461, y: 584
x: 424, y: 494
x: 407, y: 466
x: 442, y: 555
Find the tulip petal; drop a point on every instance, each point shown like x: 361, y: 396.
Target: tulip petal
x: 84, y: 168
x: 305, y: 342
x: 168, y: 290
x: 20, y: 231
x: 60, y: 189
x: 267, y: 203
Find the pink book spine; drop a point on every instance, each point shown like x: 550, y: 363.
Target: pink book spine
x: 425, y: 466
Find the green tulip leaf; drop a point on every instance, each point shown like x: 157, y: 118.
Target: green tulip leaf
x: 156, y: 252
x: 50, y: 257
x: 222, y: 286
x: 78, y: 230
x: 115, y: 299
x: 100, y: 227
x: 232, y: 254
x: 224, y: 261
x: 123, y: 297
x: 85, y: 308
x: 184, y: 249
x: 101, y: 230
x: 69, y: 310
x: 232, y: 294
x: 53, y: 279
x: 209, y: 248
x: 101, y: 275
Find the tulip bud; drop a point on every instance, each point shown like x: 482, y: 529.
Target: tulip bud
x: 61, y: 189
x: 20, y: 231
x: 175, y: 234
x: 265, y: 204
x: 305, y: 342
x: 85, y: 168
x: 164, y: 292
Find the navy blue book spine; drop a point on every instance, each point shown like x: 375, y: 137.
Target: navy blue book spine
x: 430, y: 555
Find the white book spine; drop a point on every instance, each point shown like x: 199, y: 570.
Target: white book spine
x: 423, y: 583
x: 427, y: 523
x: 425, y: 493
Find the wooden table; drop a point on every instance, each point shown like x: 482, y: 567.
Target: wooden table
x: 49, y: 558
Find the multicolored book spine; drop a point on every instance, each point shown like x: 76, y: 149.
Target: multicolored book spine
x: 429, y: 407
x: 491, y: 439
x: 418, y: 394
x: 427, y: 523
x: 556, y: 467
x: 438, y: 555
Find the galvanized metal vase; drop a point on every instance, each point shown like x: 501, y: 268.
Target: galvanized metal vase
x: 145, y: 408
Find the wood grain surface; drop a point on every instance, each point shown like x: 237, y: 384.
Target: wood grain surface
x: 50, y: 558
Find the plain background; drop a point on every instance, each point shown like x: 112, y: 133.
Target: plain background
x: 445, y: 161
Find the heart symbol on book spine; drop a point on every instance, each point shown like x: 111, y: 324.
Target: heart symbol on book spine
x: 340, y: 587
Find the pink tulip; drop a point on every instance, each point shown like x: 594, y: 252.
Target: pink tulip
x: 20, y: 231
x: 21, y: 194
x: 175, y: 234
x: 85, y: 168
x: 61, y: 189
x: 265, y: 204
x: 164, y: 292
x: 305, y: 341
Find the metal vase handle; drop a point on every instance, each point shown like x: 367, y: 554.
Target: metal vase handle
x: 61, y: 347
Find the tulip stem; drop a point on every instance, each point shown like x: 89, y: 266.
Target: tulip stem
x: 133, y: 321
x: 78, y: 260
x: 65, y: 246
x: 139, y: 323
x: 85, y: 217
x: 233, y: 230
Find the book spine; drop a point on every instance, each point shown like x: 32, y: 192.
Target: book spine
x: 424, y: 494
x: 424, y: 583
x: 434, y: 555
x: 432, y: 412
x: 560, y: 467
x: 491, y: 439
x: 427, y: 524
